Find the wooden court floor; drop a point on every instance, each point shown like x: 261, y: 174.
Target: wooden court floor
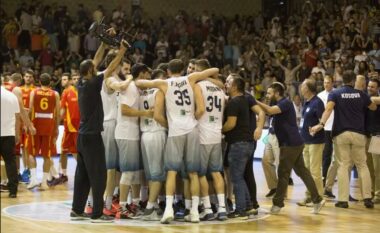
x: 291, y: 219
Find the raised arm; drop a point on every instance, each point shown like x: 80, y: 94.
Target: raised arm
x: 159, y: 109
x: 99, y: 54
x: 116, y: 61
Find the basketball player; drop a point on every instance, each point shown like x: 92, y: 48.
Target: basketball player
x: 110, y: 89
x: 210, y: 123
x: 26, y: 89
x: 153, y: 139
x: 127, y: 135
x: 183, y: 139
x: 44, y: 112
x: 69, y: 112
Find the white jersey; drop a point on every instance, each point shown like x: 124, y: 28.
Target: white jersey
x: 147, y: 101
x: 109, y: 103
x: 211, y: 123
x: 323, y: 95
x: 179, y: 100
x: 128, y: 127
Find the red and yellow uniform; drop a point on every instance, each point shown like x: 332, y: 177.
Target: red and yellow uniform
x: 43, y: 116
x: 71, y: 119
x: 25, y: 92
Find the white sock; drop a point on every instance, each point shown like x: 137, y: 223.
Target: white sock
x: 33, y: 174
x: 169, y: 202
x: 221, y: 202
x: 194, y: 203
x: 64, y: 172
x: 45, y: 177
x: 206, y: 202
x: 136, y: 201
x: 108, y: 202
x: 53, y: 171
x: 178, y: 198
x: 187, y: 204
x: 144, y: 193
x: 50, y: 177
x: 89, y: 200
x: 150, y: 205
x: 123, y: 205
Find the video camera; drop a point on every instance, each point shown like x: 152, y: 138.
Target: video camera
x: 100, y: 30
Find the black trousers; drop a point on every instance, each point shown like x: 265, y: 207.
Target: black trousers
x: 90, y: 173
x: 327, y: 153
x: 7, y: 145
x: 291, y: 158
x: 249, y: 178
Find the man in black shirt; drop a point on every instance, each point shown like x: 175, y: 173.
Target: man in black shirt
x: 91, y: 165
x: 238, y: 136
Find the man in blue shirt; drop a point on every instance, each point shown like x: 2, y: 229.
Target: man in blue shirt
x: 348, y: 134
x: 291, y: 147
x: 312, y: 153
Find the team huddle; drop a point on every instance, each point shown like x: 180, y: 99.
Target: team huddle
x: 159, y: 145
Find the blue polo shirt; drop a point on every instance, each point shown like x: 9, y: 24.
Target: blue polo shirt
x: 285, y: 125
x: 311, y: 114
x: 349, y: 110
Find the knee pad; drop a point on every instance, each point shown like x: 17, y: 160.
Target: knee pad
x: 126, y: 178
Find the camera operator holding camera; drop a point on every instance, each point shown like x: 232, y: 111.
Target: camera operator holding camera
x: 91, y: 165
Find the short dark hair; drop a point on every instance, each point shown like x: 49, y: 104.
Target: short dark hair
x: 192, y: 61
x: 85, y: 67
x: 375, y: 80
x: 176, y: 66
x: 238, y: 82
x: 348, y: 76
x: 311, y: 85
x: 67, y: 74
x: 203, y: 64
x: 278, y: 87
x: 163, y: 66
x: 157, y: 73
x: 45, y: 79
x: 138, y: 68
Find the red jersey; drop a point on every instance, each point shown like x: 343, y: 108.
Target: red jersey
x: 25, y: 91
x: 43, y: 111
x: 69, y: 102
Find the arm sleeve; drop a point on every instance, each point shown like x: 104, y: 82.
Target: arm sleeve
x: 332, y: 97
x: 284, y: 105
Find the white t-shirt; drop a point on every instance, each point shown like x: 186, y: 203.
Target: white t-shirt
x: 323, y: 95
x: 110, y: 104
x: 128, y: 127
x: 9, y: 107
x: 211, y: 123
x: 179, y: 100
x: 147, y: 101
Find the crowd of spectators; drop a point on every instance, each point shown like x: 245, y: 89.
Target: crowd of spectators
x: 315, y: 42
